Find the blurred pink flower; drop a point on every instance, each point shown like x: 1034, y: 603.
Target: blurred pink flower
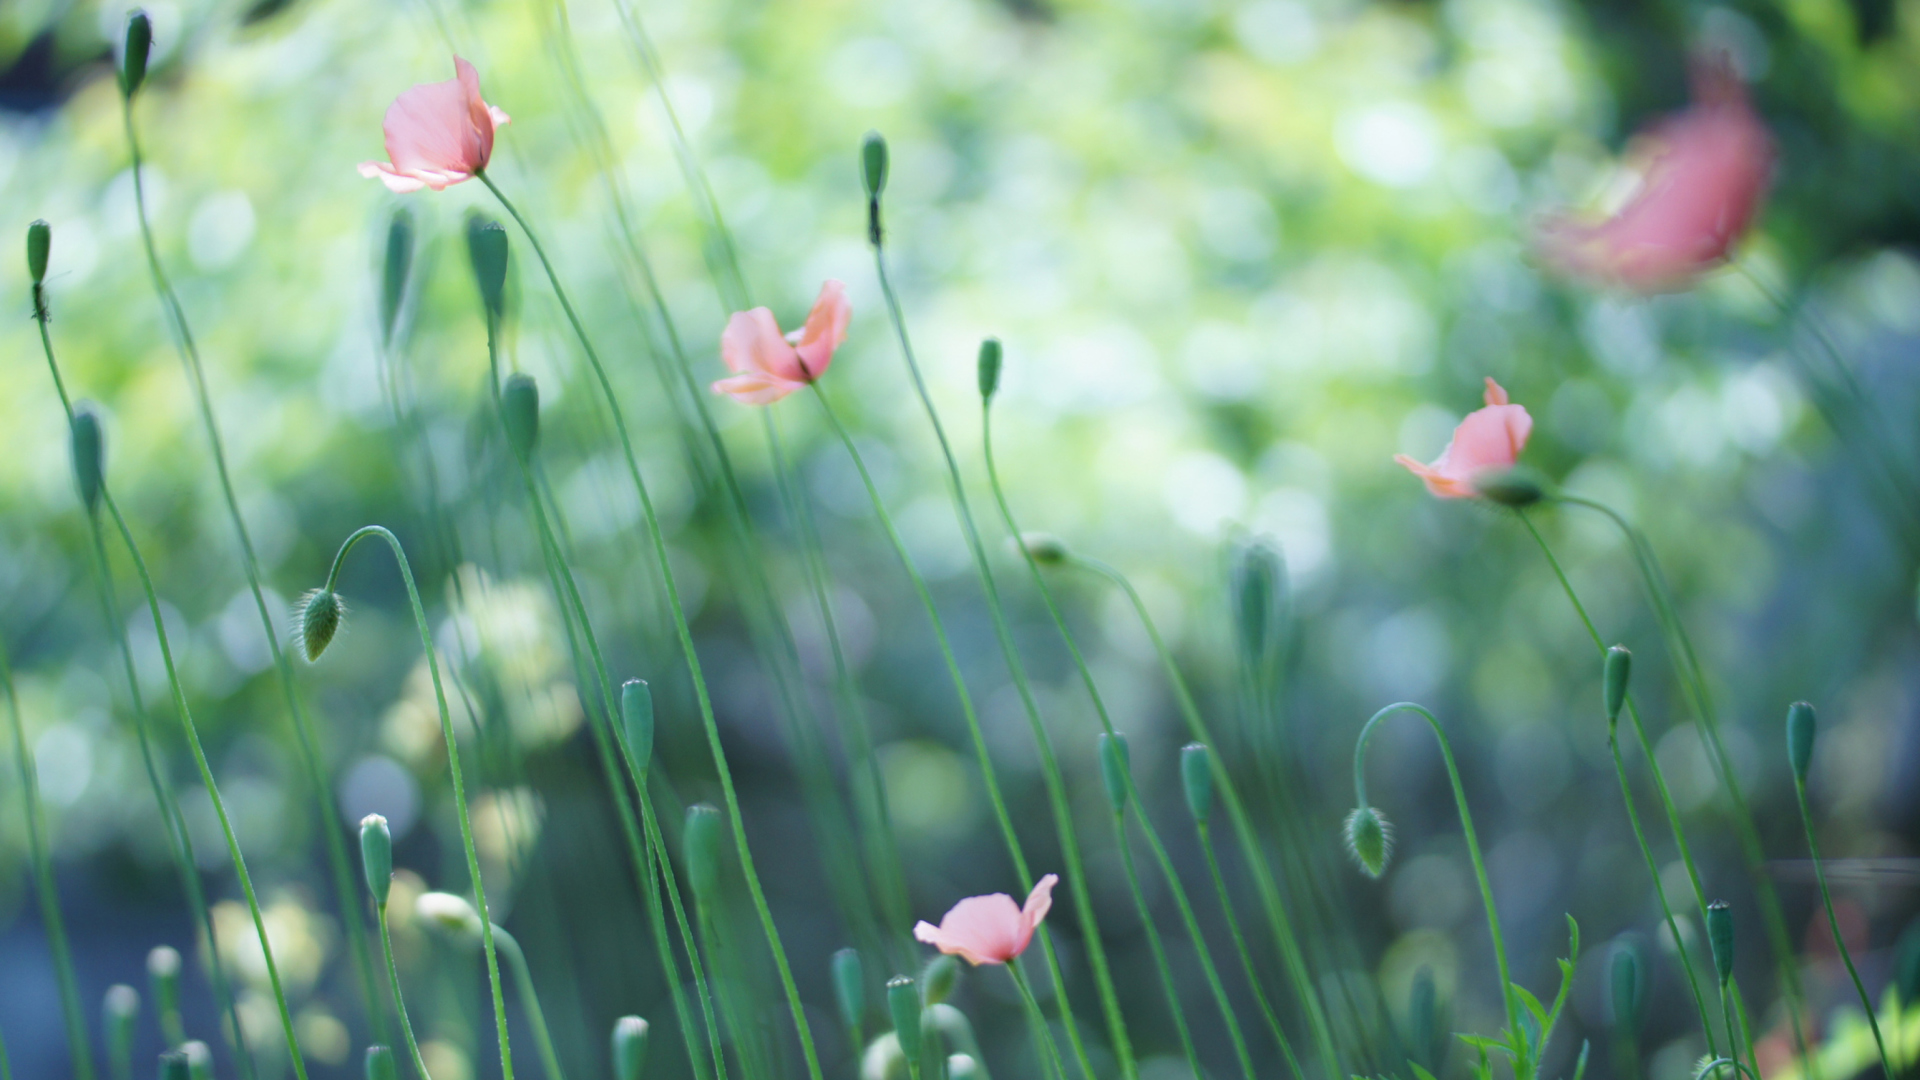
x: 990, y: 929
x: 1703, y: 175
x: 437, y: 134
x: 1488, y: 440
x: 768, y: 366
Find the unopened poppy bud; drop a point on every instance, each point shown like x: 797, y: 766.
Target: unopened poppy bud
x: 163, y: 978
x: 39, y: 245
x: 133, y: 62
x: 963, y: 1067
x: 629, y: 1047
x: 938, y: 979
x: 321, y: 613
x: 873, y: 163
x: 1511, y: 487
x: 850, y: 988
x: 1044, y: 548
x: 1720, y: 936
x: 449, y: 913
x: 1257, y: 588
x: 1801, y: 726
x: 1423, y: 1013
x: 1116, y: 761
x: 199, y: 1059
x: 1369, y: 839
x: 173, y: 1066
x: 1196, y: 779
x: 119, y: 1010
x: 636, y: 716
x: 89, y: 454
x: 520, y: 413
x: 702, y: 843
x: 903, y: 1005
x: 380, y: 1064
x: 487, y: 251
x: 1613, y: 680
x: 376, y: 856
x: 1628, y: 983
x: 990, y: 357
x: 394, y: 270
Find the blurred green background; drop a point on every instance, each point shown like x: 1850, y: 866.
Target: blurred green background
x: 1240, y: 255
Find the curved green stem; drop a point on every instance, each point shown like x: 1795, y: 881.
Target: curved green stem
x: 399, y: 1001
x: 529, y: 1001
x: 1473, y: 850
x: 1159, y: 950
x: 453, y: 768
x: 1246, y: 955
x: 1833, y: 923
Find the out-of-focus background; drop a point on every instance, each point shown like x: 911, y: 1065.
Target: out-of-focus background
x: 1240, y: 254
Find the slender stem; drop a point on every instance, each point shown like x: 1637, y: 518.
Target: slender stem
x: 1833, y: 923
x: 206, y: 779
x: 1246, y: 955
x: 529, y: 1001
x: 399, y: 1001
x: 1038, y: 1019
x: 1167, y: 984
x: 346, y: 892
x: 691, y: 655
x: 1473, y: 850
x: 453, y: 768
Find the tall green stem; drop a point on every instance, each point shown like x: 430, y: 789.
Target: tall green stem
x: 529, y: 1001
x: 1246, y: 955
x: 453, y: 768
x: 399, y: 1001
x: 1050, y: 1049
x: 1167, y: 984
x: 1833, y: 924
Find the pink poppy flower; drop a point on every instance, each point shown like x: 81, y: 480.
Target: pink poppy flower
x: 437, y: 134
x: 1703, y: 174
x: 990, y: 929
x: 1489, y: 440
x: 769, y: 366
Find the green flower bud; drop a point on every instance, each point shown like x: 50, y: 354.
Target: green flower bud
x: 1116, y: 761
x: 487, y: 251
x: 850, y: 988
x: 1720, y: 936
x: 1613, y: 680
x: 39, y: 245
x: 629, y: 1047
x: 173, y: 1066
x: 394, y: 270
x: 1627, y: 982
x: 1423, y: 1014
x: 963, y: 1067
x: 903, y: 1004
x: 1196, y: 777
x: 376, y: 856
x: 938, y: 979
x: 450, y: 913
x: 520, y: 414
x: 1043, y: 548
x: 163, y: 979
x: 133, y: 62
x: 1516, y: 488
x: 199, y: 1059
x: 702, y: 842
x: 636, y: 715
x: 321, y: 615
x: 1257, y: 589
x: 1801, y: 727
x: 1369, y: 839
x: 990, y: 357
x: 380, y: 1064
x: 119, y: 1011
x: 89, y: 455
x: 873, y: 164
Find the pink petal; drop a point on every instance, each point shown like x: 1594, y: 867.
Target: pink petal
x: 1438, y: 483
x: 755, y: 388
x: 438, y: 134
x: 479, y: 115
x: 979, y: 929
x: 394, y: 181
x: 825, y: 329
x: 752, y: 342
x: 1490, y: 439
x: 1496, y: 394
x: 1039, y: 902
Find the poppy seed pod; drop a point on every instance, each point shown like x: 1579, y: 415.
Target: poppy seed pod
x: 938, y: 979
x: 380, y: 1064
x: 321, y: 614
x: 1369, y: 839
x: 1613, y: 680
x: 1627, y: 977
x: 1720, y: 936
x: 1196, y: 778
x: 989, y: 368
x: 487, y: 251
x: 903, y: 1005
x: 394, y: 270
x: 520, y: 413
x: 88, y: 443
x: 133, y: 62
x: 1801, y: 726
x: 629, y: 1047
x: 702, y: 842
x: 39, y: 246
x: 850, y: 987
x: 1116, y: 761
x: 173, y: 1066
x: 376, y: 856
x: 636, y: 716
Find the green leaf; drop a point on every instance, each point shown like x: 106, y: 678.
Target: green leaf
x: 1580, y: 1067
x: 1419, y: 1072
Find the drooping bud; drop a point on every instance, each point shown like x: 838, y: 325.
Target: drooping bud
x: 1369, y: 839
x: 376, y: 856
x: 321, y: 613
x: 1517, y: 488
x: 938, y: 979
x: 702, y: 843
x: 1627, y: 981
x: 487, y: 251
x: 636, y: 716
x: 990, y: 357
x: 903, y: 1005
x: 1043, y: 548
x: 1720, y: 936
x: 133, y: 61
x: 1196, y: 779
x: 629, y: 1047
x: 850, y: 988
x: 873, y: 164
x: 199, y: 1059
x: 380, y: 1064
x: 163, y: 980
x: 173, y: 1066
x: 1614, y: 676
x: 39, y: 246
x: 394, y: 270
x: 1801, y: 727
x: 119, y: 1010
x: 1257, y: 590
x: 448, y: 912
x: 1116, y: 761
x: 520, y: 414
x: 88, y: 443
